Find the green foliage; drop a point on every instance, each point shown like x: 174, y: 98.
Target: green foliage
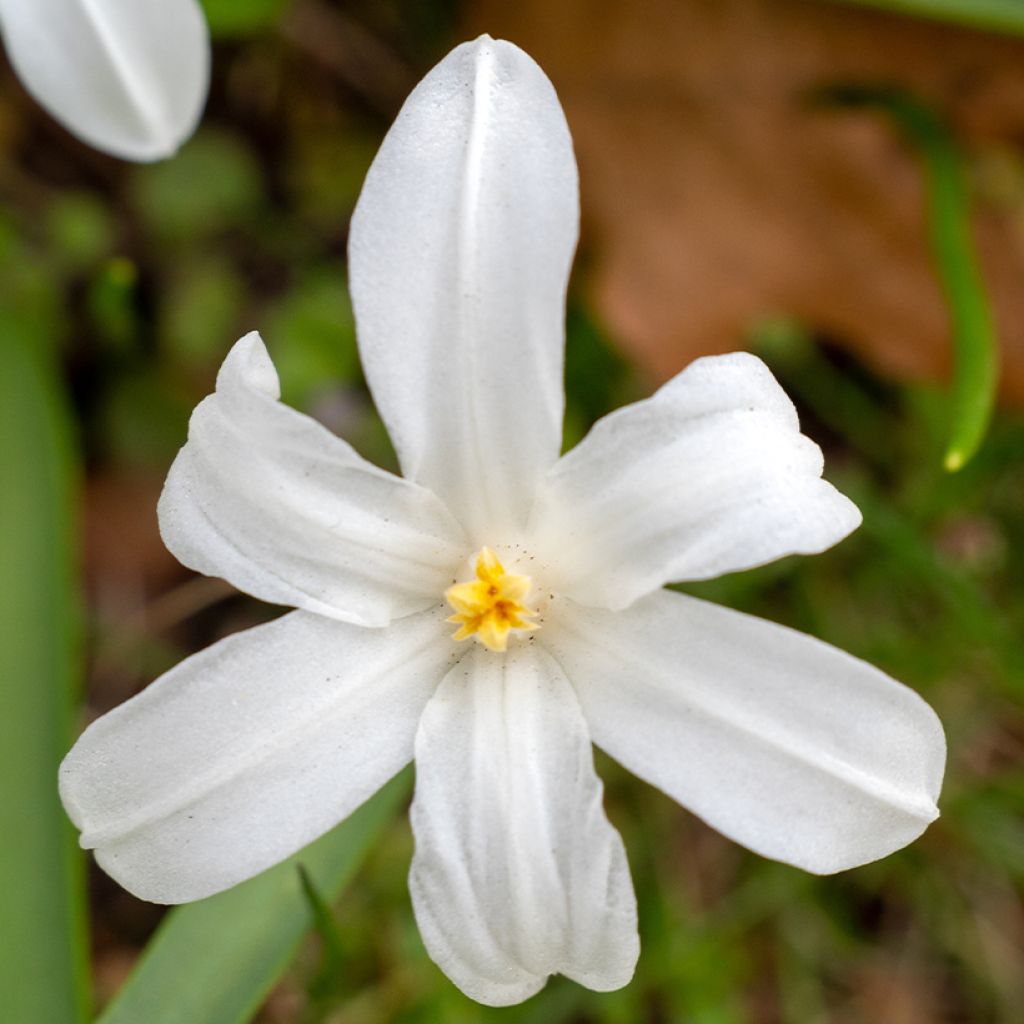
x: 32, y: 290
x: 213, y: 184
x: 80, y: 230
x: 329, y: 980
x: 326, y: 172
x: 949, y: 222
x: 111, y: 303
x: 201, y: 310
x: 999, y: 15
x: 143, y: 420
x: 310, y: 334
x: 42, y: 927
x: 597, y: 378
x: 213, y: 962
x: 242, y: 17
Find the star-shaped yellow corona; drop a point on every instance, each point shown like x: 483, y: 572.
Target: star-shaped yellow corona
x: 491, y: 606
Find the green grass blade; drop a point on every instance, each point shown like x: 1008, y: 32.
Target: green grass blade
x: 323, y: 919
x: 43, y: 960
x: 976, y: 370
x: 997, y: 15
x: 974, y: 338
x: 214, y: 962
x: 242, y: 17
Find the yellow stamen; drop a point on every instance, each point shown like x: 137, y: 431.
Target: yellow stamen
x: 490, y: 606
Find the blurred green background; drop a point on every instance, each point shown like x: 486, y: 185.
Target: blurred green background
x: 121, y: 289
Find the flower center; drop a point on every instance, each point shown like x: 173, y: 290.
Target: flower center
x: 491, y: 606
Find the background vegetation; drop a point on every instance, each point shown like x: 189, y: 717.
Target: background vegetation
x: 121, y: 288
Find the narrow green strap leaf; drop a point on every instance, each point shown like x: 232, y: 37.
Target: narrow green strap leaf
x: 998, y: 15
x: 43, y: 958
x: 333, y: 954
x: 242, y: 17
x: 976, y: 369
x: 330, y: 983
x: 215, y: 961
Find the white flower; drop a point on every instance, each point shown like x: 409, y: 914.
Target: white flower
x: 126, y: 76
x: 460, y: 252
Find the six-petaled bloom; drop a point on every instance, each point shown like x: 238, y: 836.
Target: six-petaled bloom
x: 460, y: 252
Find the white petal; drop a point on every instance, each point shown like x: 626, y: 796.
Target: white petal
x: 517, y: 873
x: 276, y: 504
x: 127, y: 76
x: 459, y: 256
x: 709, y: 475
x: 250, y: 749
x: 787, y: 745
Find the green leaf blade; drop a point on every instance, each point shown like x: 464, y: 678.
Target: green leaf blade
x: 43, y: 958
x: 975, y: 375
x: 948, y: 209
x: 229, y: 18
x: 995, y: 15
x: 215, y: 961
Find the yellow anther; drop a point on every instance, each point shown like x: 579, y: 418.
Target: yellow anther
x: 490, y: 606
